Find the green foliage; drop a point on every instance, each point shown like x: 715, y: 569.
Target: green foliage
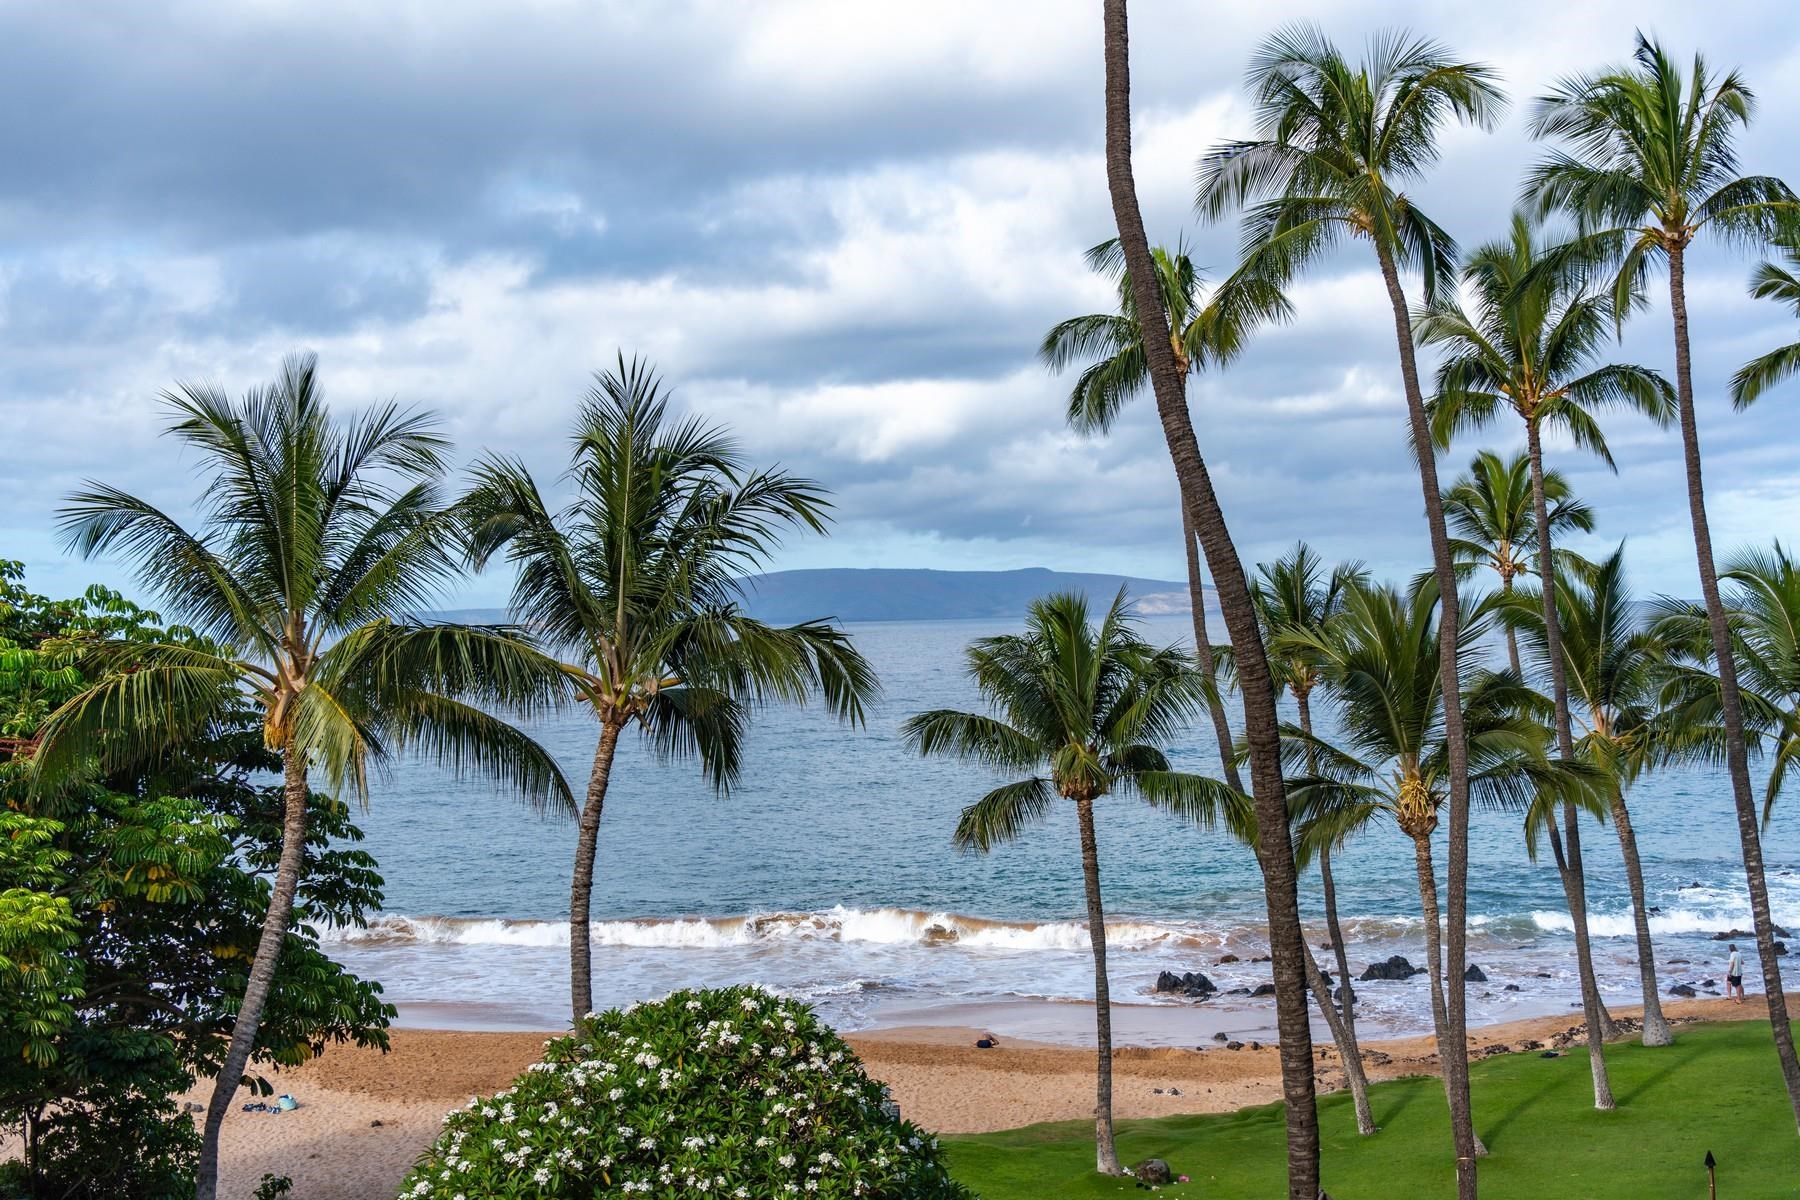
x: 130, y: 907
x: 635, y: 581
x: 734, y: 1092
x: 273, y: 1187
x: 1088, y: 706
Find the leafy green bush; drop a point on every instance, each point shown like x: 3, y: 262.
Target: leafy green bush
x: 731, y: 1093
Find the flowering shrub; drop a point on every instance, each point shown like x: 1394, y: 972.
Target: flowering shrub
x: 732, y: 1093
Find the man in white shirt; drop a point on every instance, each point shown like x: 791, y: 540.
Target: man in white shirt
x: 1734, y: 974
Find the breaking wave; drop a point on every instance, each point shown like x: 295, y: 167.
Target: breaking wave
x: 877, y: 926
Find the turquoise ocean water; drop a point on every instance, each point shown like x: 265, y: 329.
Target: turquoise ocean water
x: 828, y: 872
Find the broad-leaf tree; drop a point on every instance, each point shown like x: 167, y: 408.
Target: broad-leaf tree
x: 634, y: 583
x: 1337, y: 142
x: 1274, y: 844
x: 1646, y: 164
x: 316, y: 537
x: 1084, y: 709
x: 1530, y: 344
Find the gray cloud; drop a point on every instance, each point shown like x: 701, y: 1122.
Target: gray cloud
x: 841, y: 229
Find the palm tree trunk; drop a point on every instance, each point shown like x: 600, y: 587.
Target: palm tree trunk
x: 1343, y: 1028
x: 1453, y: 1037
x: 581, y: 887
x: 1573, y: 879
x: 1274, y: 848
x: 1656, y: 1027
x: 262, y: 969
x: 1203, y: 652
x: 1346, y: 1045
x: 1329, y: 885
x: 1512, y: 637
x: 1106, y: 1158
x: 1730, y: 705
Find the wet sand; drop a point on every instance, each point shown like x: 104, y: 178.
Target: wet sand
x: 365, y: 1117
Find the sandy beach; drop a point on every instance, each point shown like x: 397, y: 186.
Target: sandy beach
x: 365, y: 1116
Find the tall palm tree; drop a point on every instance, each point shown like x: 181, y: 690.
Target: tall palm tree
x: 1296, y: 599
x: 1612, y: 666
x: 1779, y: 282
x: 1274, y: 845
x: 1488, y: 508
x: 1117, y: 370
x: 1337, y: 140
x: 1390, y: 761
x: 316, y: 537
x: 1650, y: 166
x: 634, y: 582
x: 1530, y: 347
x: 1763, y: 607
x: 1084, y: 708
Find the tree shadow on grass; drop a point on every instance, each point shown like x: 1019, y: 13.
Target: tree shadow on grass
x: 1669, y: 1059
x: 1403, y: 1098
x: 1493, y: 1130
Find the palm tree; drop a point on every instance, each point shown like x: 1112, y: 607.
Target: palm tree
x: 1379, y: 663
x: 1117, y: 370
x: 1274, y: 846
x: 1650, y: 167
x: 1488, y: 509
x: 1764, y: 611
x: 1530, y: 347
x: 1612, y: 666
x: 316, y: 537
x: 1296, y: 599
x: 1780, y: 283
x: 634, y: 582
x: 1337, y: 140
x: 1084, y: 708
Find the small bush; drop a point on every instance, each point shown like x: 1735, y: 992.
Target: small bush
x: 732, y: 1093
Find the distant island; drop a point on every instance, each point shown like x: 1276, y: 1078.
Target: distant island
x: 910, y: 594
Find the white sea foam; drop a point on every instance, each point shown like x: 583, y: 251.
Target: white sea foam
x: 879, y: 926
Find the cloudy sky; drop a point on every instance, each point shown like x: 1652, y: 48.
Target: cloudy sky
x: 841, y: 228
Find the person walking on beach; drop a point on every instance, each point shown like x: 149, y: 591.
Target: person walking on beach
x: 1734, y: 974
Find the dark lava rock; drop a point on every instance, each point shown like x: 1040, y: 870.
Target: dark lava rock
x: 1394, y: 968
x: 1734, y: 935
x: 1174, y: 1091
x: 1544, y: 975
x: 1153, y: 1172
x: 1263, y: 989
x: 1345, y: 992
x: 1683, y: 989
x: 1654, y: 910
x: 1780, y: 949
x: 1238, y: 992
x: 1262, y: 958
x: 1531, y: 1045
x: 1229, y: 958
x: 1474, y: 974
x: 1234, y: 1045
x: 1188, y: 983
x: 1511, y: 987
x: 1256, y: 1045
x: 1219, y: 1037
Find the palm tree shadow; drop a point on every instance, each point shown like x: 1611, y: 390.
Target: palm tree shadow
x: 1492, y: 1131
x: 1672, y: 1059
x: 1403, y: 1100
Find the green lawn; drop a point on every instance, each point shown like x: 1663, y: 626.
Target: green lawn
x: 1718, y: 1088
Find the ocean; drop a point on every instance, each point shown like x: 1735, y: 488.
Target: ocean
x: 829, y: 873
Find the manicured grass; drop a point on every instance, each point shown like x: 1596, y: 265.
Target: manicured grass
x: 1718, y: 1088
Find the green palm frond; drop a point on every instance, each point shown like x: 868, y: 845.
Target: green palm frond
x: 1003, y: 814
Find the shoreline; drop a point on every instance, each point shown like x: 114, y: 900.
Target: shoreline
x: 365, y: 1116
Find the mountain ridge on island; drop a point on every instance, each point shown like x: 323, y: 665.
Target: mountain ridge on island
x: 922, y: 594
